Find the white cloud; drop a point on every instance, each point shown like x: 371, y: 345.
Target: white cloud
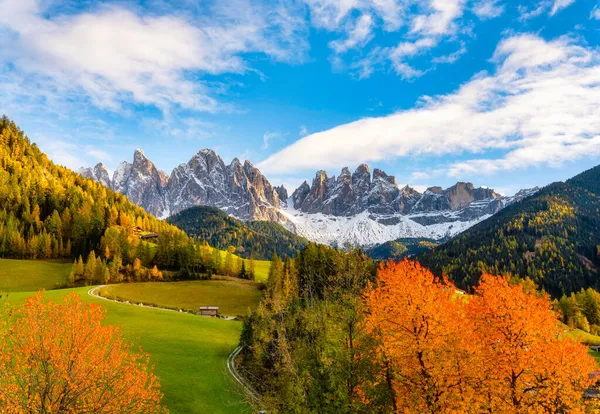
x: 559, y: 5
x: 543, y: 6
x: 440, y: 18
x: 358, y: 35
x: 303, y: 131
x: 268, y: 137
x: 541, y: 106
x: 423, y: 25
x: 114, y: 56
x: 329, y: 14
x: 488, y: 9
x: 452, y: 57
x: 595, y: 12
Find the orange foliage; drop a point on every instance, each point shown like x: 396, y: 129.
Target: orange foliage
x: 525, y: 367
x: 57, y: 357
x: 419, y: 324
x: 497, y: 351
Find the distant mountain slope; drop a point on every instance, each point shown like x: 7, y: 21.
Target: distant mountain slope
x: 359, y: 208
x: 552, y: 237
x: 259, y: 238
x: 367, y: 209
x: 401, y: 248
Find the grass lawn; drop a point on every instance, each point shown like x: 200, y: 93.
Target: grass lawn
x: 261, y: 270
x: 32, y: 275
x: 233, y: 296
x: 586, y: 338
x: 189, y: 353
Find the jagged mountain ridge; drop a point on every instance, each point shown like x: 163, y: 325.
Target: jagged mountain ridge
x: 239, y: 190
x: 359, y: 208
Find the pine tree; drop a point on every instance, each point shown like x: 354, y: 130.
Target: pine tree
x: 228, y: 265
x: 106, y: 275
x: 243, y: 273
x: 90, y: 268
x: 137, y: 266
x: 251, y: 268
x: 71, y: 281
x: 79, y: 269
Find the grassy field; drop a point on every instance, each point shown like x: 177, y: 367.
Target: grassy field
x: 261, y: 271
x: 585, y: 337
x: 32, y: 275
x: 233, y: 296
x: 189, y: 353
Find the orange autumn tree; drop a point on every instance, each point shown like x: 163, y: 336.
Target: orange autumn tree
x: 58, y: 357
x: 524, y: 365
x: 497, y: 351
x: 423, y: 351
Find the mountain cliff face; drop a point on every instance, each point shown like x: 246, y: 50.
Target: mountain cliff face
x: 238, y: 189
x: 98, y: 173
x: 142, y: 183
x: 360, y: 207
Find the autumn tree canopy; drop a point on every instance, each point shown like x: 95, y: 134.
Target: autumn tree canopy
x: 496, y: 351
x: 58, y: 357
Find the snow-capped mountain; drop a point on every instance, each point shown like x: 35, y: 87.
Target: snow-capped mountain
x: 239, y: 190
x: 364, y: 209
x: 98, y: 173
x: 142, y: 183
x: 359, y: 208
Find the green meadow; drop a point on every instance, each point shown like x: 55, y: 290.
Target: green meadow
x: 33, y: 275
x: 189, y: 352
x: 233, y: 296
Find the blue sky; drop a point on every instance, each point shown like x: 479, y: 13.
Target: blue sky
x: 496, y: 92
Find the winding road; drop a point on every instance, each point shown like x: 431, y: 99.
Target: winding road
x: 251, y: 394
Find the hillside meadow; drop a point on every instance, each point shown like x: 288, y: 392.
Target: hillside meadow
x: 32, y: 275
x: 234, y: 297
x: 189, y: 352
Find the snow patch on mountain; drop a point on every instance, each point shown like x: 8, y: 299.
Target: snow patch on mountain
x: 366, y: 229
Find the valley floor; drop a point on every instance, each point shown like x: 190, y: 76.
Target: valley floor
x: 189, y: 353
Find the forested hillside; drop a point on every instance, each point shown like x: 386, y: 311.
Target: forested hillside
x: 400, y: 248
x: 48, y: 211
x: 261, y: 239
x: 553, y: 237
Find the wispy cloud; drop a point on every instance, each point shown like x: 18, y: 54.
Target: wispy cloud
x: 268, y: 137
x: 595, y: 12
x: 488, y: 9
x: 540, y: 7
x: 559, y: 5
x: 113, y: 56
x: 539, y: 107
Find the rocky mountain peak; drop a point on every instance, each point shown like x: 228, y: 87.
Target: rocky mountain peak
x: 283, y: 194
x: 380, y: 175
x: 345, y: 174
x: 98, y: 173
